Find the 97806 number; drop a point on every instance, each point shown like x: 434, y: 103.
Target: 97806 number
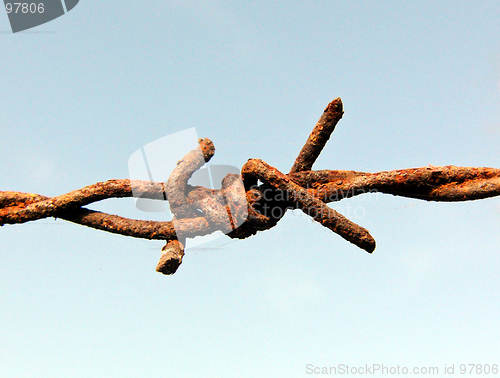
x: 24, y: 7
x: 478, y: 369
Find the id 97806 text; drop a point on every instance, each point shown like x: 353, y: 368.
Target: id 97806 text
x: 478, y: 369
x: 24, y: 7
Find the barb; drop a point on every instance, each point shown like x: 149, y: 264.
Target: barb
x: 171, y: 257
x: 319, y: 136
x: 254, y: 207
x: 257, y: 169
x: 176, y: 184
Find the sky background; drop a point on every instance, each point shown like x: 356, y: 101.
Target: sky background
x: 420, y: 83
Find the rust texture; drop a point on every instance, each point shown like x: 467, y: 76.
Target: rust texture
x: 445, y: 184
x: 176, y: 184
x: 241, y: 210
x: 319, y: 136
x: 171, y: 257
x: 310, y: 205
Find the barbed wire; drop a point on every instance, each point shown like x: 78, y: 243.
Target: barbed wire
x: 258, y: 204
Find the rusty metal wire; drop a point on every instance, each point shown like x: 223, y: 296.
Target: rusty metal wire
x: 265, y: 198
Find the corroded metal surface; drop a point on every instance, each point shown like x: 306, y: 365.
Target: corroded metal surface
x: 319, y: 136
x: 254, y: 201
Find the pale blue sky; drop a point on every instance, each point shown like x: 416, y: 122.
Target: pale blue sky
x: 420, y: 82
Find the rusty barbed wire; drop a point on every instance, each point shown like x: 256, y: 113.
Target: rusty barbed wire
x: 265, y: 195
